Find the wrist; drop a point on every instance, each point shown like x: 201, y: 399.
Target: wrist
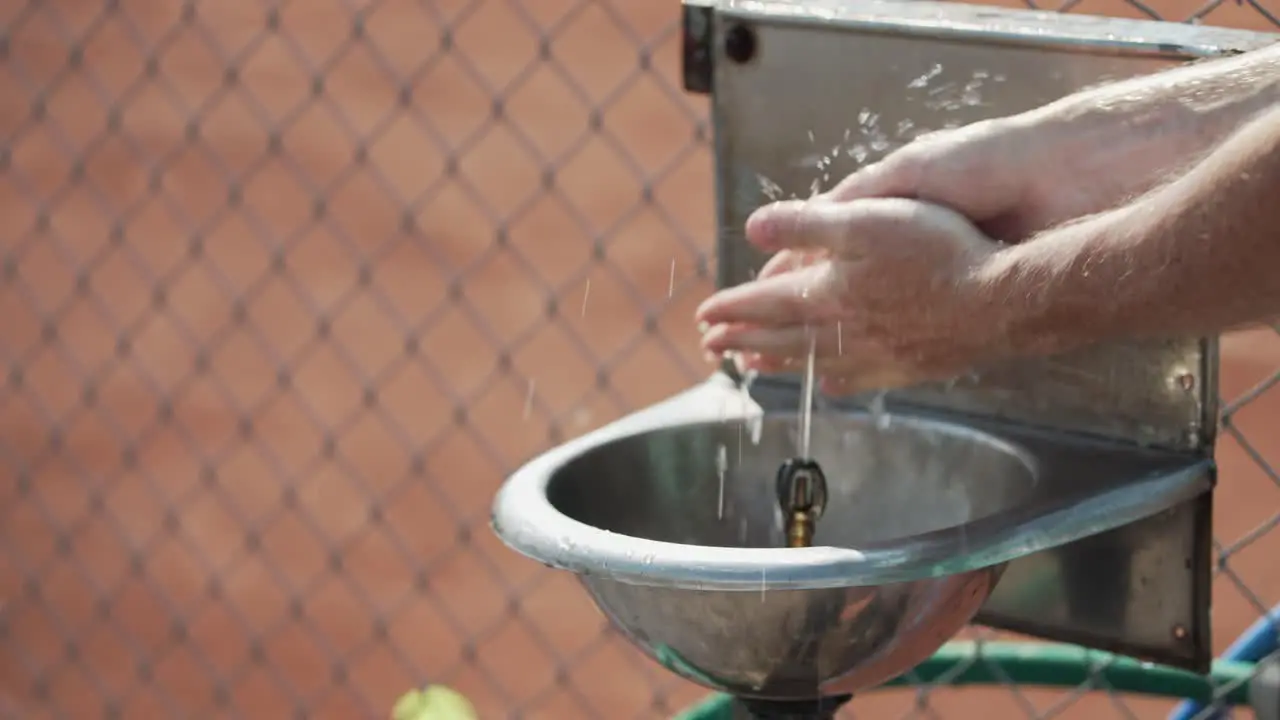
x: 1133, y: 134
x: 1055, y: 292
x: 1107, y: 153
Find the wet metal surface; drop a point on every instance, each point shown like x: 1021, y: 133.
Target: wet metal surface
x: 820, y: 97
x: 921, y: 516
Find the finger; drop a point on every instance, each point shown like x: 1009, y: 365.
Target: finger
x: 795, y: 298
x: 788, y: 342
x: 849, y: 230
x: 770, y: 365
x: 798, y: 224
x: 832, y: 353
x: 784, y: 261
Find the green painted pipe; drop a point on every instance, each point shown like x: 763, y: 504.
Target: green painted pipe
x: 1049, y: 665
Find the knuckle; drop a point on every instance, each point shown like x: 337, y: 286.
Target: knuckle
x: 801, y: 221
x: 804, y: 220
x: 876, y: 219
x: 820, y: 223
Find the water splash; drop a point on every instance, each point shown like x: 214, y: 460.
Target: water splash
x: 954, y: 95
x: 770, y: 189
x: 722, y: 467
x: 924, y: 79
x: 806, y: 397
x: 868, y: 139
x: 752, y: 421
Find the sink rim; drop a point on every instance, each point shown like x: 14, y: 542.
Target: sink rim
x: 526, y: 521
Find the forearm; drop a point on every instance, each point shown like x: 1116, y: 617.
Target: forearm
x: 1196, y: 256
x: 1134, y: 133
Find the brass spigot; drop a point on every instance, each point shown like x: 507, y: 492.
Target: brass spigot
x: 802, y: 496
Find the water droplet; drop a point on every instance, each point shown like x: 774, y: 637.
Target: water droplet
x: 722, y: 466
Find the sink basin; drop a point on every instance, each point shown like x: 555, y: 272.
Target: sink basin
x: 892, y: 479
x: 670, y: 519
x: 901, y: 480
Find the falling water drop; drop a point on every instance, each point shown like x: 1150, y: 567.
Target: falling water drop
x: 722, y: 467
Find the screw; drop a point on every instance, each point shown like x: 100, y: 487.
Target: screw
x: 740, y: 44
x: 1179, y: 632
x: 1187, y: 381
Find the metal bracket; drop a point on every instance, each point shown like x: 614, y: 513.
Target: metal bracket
x: 697, y: 58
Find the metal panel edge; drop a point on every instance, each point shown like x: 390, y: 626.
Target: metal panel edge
x: 944, y: 20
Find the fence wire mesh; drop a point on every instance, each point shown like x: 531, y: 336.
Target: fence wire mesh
x: 288, y: 287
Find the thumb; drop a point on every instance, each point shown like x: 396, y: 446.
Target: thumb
x: 845, y: 230
x: 799, y: 225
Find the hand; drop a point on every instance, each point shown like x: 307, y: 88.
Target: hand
x: 1016, y: 176
x: 884, y: 289
x: 1080, y: 155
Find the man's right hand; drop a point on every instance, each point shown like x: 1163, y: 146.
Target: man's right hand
x: 1006, y: 175
x: 1012, y: 177
x: 1084, y: 154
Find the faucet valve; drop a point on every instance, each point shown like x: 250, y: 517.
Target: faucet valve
x: 802, y: 496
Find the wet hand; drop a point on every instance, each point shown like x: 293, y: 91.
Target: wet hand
x: 885, y: 289
x: 1012, y: 176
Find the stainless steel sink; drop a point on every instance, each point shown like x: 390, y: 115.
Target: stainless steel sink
x: 669, y: 517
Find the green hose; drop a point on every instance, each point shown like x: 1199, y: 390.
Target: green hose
x: 1049, y: 665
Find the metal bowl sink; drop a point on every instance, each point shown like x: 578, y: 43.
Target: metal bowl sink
x: 670, y: 519
x: 903, y: 480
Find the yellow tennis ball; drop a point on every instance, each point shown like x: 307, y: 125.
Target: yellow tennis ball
x: 435, y: 702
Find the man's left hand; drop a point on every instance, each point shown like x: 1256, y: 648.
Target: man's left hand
x: 888, y: 291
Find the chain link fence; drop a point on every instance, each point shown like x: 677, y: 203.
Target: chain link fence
x: 289, y: 287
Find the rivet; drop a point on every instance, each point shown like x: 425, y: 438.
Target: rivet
x: 740, y: 44
x: 1179, y: 632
